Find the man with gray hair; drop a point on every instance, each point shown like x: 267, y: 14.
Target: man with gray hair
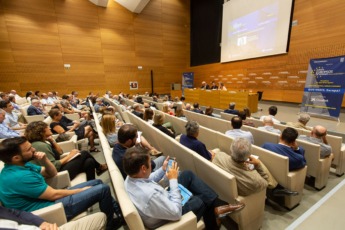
x: 5, y: 131
x: 190, y: 141
x: 231, y: 109
x: 303, y: 119
x: 251, y: 174
x: 318, y: 136
x: 34, y: 108
x: 268, y: 126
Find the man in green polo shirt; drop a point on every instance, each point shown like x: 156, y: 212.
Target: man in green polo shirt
x: 22, y: 184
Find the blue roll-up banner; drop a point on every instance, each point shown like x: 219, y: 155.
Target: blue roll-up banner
x: 324, y: 87
x: 187, y: 80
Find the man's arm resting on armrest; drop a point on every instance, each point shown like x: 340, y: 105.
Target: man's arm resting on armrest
x: 55, y: 194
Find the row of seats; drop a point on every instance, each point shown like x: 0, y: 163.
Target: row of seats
x: 317, y: 167
x: 130, y: 213
x: 278, y: 165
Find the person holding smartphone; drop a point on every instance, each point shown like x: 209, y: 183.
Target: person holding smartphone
x: 156, y: 205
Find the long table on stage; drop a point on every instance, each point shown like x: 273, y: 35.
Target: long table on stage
x: 221, y: 99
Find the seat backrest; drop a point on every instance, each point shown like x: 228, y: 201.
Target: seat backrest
x: 209, y: 122
x: 312, y: 156
x: 278, y: 165
x: 227, y: 116
x: 256, y: 122
x: 262, y: 136
x: 177, y: 123
x: 208, y: 137
x: 224, y: 142
x: 215, y: 177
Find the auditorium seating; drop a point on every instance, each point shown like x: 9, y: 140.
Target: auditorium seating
x: 278, y: 166
x: 222, y: 182
x: 130, y: 213
x: 335, y: 141
x: 30, y: 119
x: 317, y: 167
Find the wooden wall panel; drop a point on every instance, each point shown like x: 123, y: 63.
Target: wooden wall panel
x: 104, y: 46
x: 319, y: 33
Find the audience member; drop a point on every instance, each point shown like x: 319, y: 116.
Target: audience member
x: 45, y: 101
x: 39, y: 135
x: 84, y: 130
x: 137, y: 111
x: 166, y: 109
x: 268, y: 126
x: 318, y: 136
x: 158, y: 120
x: 272, y: 111
x: 99, y: 104
x: 236, y: 123
x: 148, y: 115
x: 22, y: 184
x: 128, y: 137
x: 179, y: 112
x: 35, y: 108
x: 12, y: 99
x: 251, y: 174
x: 108, y: 124
x: 243, y: 116
x: 29, y: 95
x: 16, y: 219
x: 303, y: 119
x: 209, y: 111
x: 190, y: 141
x: 188, y: 107
x: 5, y: 131
x: 197, y: 109
x: 157, y: 206
x: 288, y: 147
x: 11, y: 119
x: 231, y: 109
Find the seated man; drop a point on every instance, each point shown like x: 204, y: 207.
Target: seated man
x: 5, y: 131
x: 236, y: 123
x: 196, y: 108
x: 204, y: 85
x: 35, y: 108
x: 45, y: 100
x: 16, y: 219
x: 272, y: 111
x: 99, y: 104
x: 288, y: 147
x: 137, y: 111
x: 156, y: 205
x: 268, y: 126
x: 251, y: 174
x: 303, y: 119
x: 231, y: 109
x: 22, y: 184
x: 318, y: 136
x: 128, y: 136
x: 243, y: 116
x: 190, y: 141
x: 11, y: 119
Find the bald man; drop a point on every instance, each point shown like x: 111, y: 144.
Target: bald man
x: 318, y: 136
x: 268, y: 126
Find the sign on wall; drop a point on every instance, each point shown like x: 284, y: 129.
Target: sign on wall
x: 324, y: 87
x: 133, y: 85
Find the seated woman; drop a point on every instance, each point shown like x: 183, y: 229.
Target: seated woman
x: 158, y: 121
x: 83, y: 130
x: 108, y: 124
x: 148, y: 115
x: 209, y: 111
x: 179, y: 112
x: 166, y: 109
x: 40, y: 136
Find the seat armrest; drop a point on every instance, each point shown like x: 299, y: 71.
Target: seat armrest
x: 52, y: 214
x: 60, y: 181
x: 187, y: 221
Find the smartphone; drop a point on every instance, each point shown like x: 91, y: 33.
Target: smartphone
x: 170, y: 163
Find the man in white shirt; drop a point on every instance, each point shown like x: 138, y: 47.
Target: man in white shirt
x: 272, y: 111
x: 236, y: 123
